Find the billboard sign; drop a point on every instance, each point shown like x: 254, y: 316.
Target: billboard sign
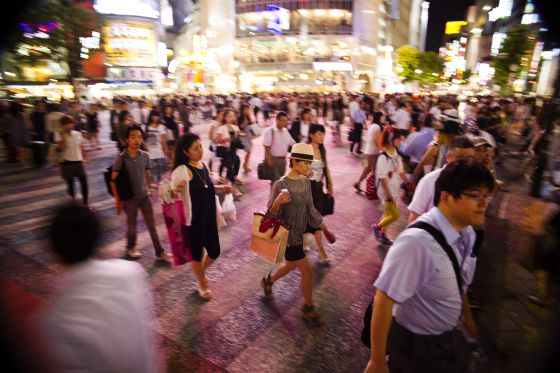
x: 130, y: 43
x: 454, y: 27
x: 138, y: 8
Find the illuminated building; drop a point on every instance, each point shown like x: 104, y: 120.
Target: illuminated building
x: 203, y: 48
x: 132, y: 31
x: 290, y: 45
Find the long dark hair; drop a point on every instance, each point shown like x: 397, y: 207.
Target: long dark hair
x: 122, y: 116
x: 182, y: 148
x: 153, y: 113
x: 313, y: 129
x: 226, y: 111
x: 243, y: 120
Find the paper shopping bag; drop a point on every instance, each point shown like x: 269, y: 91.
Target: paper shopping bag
x: 174, y: 217
x: 269, y: 238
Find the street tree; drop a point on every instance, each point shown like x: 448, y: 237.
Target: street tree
x: 431, y: 65
x: 508, y: 60
x: 415, y: 65
x: 408, y: 61
x: 51, y: 30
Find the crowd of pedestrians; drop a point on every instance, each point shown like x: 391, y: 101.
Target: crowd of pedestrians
x: 436, y: 154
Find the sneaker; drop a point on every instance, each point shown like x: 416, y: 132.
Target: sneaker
x: 377, y: 233
x: 385, y: 240
x: 133, y: 253
x: 164, y: 256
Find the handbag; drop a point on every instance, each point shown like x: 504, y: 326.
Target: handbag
x: 237, y: 144
x: 55, y: 155
x: 328, y: 205
x: 440, y: 238
x: 174, y: 218
x: 255, y: 129
x: 264, y: 171
x: 124, y: 186
x: 269, y: 237
x: 371, y: 188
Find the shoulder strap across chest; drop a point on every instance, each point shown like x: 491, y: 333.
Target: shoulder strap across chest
x: 440, y: 238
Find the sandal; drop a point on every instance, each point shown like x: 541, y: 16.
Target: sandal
x: 205, y: 294
x: 311, y: 316
x: 266, y: 284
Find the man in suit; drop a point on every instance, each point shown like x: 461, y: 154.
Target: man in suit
x: 300, y: 128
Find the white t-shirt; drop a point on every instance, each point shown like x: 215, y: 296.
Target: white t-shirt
x: 388, y: 167
x: 100, y: 319
x: 73, y: 150
x: 371, y: 145
x: 224, y: 134
x: 153, y: 141
x: 282, y: 141
x: 304, y: 131
x: 403, y: 119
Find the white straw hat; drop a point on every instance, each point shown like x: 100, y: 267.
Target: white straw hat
x: 302, y: 152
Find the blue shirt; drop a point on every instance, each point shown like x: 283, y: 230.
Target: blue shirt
x: 419, y: 276
x: 358, y: 116
x: 418, y: 145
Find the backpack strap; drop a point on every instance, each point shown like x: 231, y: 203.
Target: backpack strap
x: 439, y: 237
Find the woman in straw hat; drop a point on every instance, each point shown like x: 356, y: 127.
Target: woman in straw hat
x: 291, y: 201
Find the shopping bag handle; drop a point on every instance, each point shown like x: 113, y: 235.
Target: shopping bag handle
x: 270, y: 222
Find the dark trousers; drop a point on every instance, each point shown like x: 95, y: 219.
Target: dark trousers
x: 230, y: 161
x: 131, y: 208
x: 11, y: 152
x: 413, y: 353
x: 357, y: 137
x: 278, y: 168
x: 83, y: 185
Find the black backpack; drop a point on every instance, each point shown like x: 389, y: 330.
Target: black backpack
x: 124, y: 186
x: 440, y: 238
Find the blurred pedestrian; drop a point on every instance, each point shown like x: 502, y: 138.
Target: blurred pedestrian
x: 99, y: 321
x: 138, y: 168
x: 320, y: 171
x: 276, y: 142
x: 71, y: 143
x: 389, y: 176
x: 20, y: 133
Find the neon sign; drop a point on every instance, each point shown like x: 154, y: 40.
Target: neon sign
x: 38, y: 30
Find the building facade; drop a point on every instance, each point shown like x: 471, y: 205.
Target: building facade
x: 322, y: 45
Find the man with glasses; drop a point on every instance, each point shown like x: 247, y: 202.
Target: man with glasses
x: 462, y: 148
x: 420, y: 295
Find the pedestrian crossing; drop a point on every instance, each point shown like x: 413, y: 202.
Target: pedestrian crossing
x: 237, y: 321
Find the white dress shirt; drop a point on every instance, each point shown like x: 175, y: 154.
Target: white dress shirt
x: 279, y: 143
x: 423, y: 199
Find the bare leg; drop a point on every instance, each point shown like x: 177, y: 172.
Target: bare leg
x: 282, y: 271
x: 320, y: 247
x: 199, y: 273
x: 246, y: 167
x: 306, y: 280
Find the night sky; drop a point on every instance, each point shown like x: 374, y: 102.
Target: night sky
x: 442, y: 11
